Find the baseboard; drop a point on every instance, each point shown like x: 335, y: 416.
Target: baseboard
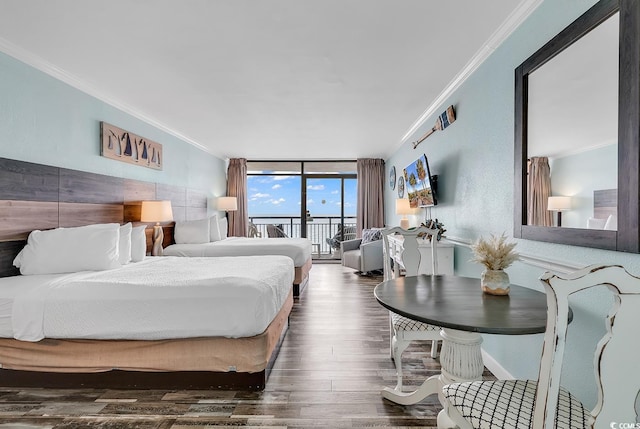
x: 496, y: 369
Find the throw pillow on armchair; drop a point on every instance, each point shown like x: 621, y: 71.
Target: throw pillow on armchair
x: 371, y: 234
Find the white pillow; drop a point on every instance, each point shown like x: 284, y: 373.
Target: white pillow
x: 68, y: 250
x: 138, y: 243
x: 214, y: 229
x: 125, y: 244
x: 222, y: 223
x: 612, y: 223
x: 596, y: 223
x: 192, y: 232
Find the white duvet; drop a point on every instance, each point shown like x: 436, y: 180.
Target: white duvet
x: 298, y: 249
x: 158, y: 298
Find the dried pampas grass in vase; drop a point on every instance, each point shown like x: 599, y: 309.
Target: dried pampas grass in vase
x: 496, y: 254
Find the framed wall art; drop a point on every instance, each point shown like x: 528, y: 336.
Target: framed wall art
x: 392, y: 178
x: 116, y: 143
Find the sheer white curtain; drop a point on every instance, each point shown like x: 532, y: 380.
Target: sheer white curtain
x: 370, y: 212
x: 237, y: 187
x: 539, y: 184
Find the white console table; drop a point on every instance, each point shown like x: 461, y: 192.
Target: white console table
x: 444, y: 253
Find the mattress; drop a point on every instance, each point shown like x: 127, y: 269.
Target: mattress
x: 247, y: 354
x: 158, y: 298
x: 298, y: 249
x: 10, y: 287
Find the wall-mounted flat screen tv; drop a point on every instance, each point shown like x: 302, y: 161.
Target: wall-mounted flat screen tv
x: 420, y: 187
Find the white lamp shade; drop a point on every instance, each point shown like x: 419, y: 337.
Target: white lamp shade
x: 156, y: 211
x: 559, y: 204
x: 228, y: 204
x: 403, y: 207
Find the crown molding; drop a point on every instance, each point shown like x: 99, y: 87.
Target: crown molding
x: 513, y: 21
x: 46, y: 67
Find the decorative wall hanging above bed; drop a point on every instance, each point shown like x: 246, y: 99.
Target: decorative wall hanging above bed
x: 124, y: 146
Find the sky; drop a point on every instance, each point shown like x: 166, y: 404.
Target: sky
x: 280, y: 195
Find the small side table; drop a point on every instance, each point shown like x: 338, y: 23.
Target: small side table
x: 316, y: 248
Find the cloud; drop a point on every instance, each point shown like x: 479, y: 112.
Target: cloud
x: 309, y: 202
x: 316, y: 187
x: 259, y: 195
x: 276, y: 186
x: 278, y: 201
x: 281, y: 177
x: 335, y: 192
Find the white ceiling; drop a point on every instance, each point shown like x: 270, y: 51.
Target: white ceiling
x: 264, y: 79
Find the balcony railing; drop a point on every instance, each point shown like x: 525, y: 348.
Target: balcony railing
x: 319, y: 228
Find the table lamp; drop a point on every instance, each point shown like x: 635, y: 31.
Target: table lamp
x: 559, y: 204
x: 403, y: 208
x: 228, y: 204
x: 156, y: 211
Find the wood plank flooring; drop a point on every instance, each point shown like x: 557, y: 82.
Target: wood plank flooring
x: 332, y: 365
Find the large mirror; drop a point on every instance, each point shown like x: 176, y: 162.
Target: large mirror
x: 576, y: 133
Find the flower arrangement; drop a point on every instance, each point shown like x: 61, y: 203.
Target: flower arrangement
x: 434, y: 224
x: 494, y: 253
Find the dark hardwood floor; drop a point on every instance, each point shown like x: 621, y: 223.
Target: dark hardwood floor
x: 332, y: 365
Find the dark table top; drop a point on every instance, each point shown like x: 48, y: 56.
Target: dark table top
x: 459, y: 303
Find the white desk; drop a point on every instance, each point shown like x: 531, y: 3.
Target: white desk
x: 444, y: 252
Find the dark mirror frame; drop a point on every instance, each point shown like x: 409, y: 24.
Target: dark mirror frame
x: 626, y: 238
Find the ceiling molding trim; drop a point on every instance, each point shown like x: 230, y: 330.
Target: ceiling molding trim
x: 513, y: 21
x: 46, y: 67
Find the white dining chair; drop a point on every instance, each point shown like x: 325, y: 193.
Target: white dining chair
x: 402, y: 329
x: 544, y: 404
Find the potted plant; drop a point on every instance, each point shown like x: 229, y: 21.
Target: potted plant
x: 496, y: 254
x: 434, y: 224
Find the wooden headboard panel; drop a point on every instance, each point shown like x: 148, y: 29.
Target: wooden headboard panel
x: 35, y: 196
x: 605, y: 203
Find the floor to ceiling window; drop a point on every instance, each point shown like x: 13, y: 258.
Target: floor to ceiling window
x: 313, y: 199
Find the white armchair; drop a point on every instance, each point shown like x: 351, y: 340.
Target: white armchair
x: 362, y: 257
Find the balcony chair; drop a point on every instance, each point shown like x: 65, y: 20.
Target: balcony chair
x: 349, y: 233
x: 363, y: 254
x: 253, y: 231
x: 274, y: 231
x: 405, y: 330
x: 543, y: 403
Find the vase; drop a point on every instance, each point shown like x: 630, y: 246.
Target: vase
x: 495, y: 282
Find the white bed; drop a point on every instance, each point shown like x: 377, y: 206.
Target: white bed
x: 158, y: 298
x: 168, y: 321
x: 298, y: 249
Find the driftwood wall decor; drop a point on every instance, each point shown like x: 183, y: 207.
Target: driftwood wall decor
x: 124, y: 146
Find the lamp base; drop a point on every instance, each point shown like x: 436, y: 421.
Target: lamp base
x: 158, y: 238
x: 404, y: 223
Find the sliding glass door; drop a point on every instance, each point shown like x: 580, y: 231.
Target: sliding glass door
x: 330, y: 211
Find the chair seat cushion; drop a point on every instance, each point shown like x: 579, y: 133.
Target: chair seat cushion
x: 351, y: 259
x: 401, y: 323
x: 509, y: 404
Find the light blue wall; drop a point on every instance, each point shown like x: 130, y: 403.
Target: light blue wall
x: 578, y: 175
x: 474, y: 160
x: 45, y: 121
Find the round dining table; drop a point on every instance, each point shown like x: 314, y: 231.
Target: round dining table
x: 463, y: 312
